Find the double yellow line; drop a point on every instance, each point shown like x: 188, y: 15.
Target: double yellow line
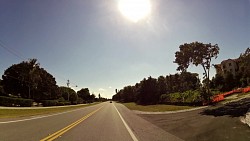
x: 62, y: 131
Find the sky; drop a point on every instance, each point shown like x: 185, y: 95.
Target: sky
x: 93, y: 45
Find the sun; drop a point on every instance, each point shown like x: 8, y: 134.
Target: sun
x: 135, y: 10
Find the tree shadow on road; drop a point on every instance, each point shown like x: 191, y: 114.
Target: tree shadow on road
x: 233, y: 109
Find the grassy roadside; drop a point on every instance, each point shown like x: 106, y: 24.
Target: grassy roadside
x: 155, y: 108
x: 14, y: 113
x: 235, y: 97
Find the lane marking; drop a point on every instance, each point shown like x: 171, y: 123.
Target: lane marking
x: 126, y: 125
x: 67, y: 128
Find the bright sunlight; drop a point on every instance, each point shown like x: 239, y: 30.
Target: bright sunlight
x: 135, y: 10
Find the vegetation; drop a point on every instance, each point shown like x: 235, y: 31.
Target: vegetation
x: 185, y: 88
x: 155, y: 108
x: 26, y: 82
x: 154, y: 91
x: 9, y: 101
x: 197, y: 53
x: 68, y: 94
x: 13, y: 113
x: 85, y: 95
x: 241, y: 79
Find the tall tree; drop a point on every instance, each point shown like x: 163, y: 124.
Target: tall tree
x: 148, y: 93
x: 197, y: 53
x: 84, y: 94
x: 244, y: 67
x: 66, y: 92
x: 128, y: 94
x: 1, y: 89
x: 28, y: 80
x: 162, y: 87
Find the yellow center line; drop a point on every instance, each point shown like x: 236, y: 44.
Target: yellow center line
x: 67, y: 128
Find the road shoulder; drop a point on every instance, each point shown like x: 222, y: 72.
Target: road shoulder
x: 144, y: 130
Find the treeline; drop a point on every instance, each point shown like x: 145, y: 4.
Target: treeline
x: 182, y: 89
x: 27, y: 80
x: 228, y: 81
x: 185, y: 88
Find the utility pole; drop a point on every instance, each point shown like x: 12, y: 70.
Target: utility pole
x: 68, y: 89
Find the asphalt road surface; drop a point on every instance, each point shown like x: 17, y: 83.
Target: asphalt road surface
x: 102, y: 122
x: 195, y: 126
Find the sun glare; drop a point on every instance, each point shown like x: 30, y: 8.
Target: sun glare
x: 135, y: 10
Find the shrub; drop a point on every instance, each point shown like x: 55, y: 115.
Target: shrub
x: 189, y: 97
x: 9, y: 101
x: 47, y: 103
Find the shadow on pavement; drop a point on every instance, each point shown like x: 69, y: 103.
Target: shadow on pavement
x: 233, y: 109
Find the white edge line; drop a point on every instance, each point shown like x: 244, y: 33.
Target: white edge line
x: 127, y: 127
x: 38, y: 117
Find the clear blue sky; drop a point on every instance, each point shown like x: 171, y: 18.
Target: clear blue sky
x: 93, y: 45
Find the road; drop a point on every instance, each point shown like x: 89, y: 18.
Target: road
x: 197, y: 126
x: 101, y: 122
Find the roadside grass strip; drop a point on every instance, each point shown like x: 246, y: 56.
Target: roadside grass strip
x: 155, y: 108
x: 23, y: 112
x: 67, y: 128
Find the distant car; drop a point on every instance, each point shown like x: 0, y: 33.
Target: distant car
x: 110, y: 101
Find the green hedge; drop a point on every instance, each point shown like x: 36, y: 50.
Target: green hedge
x: 186, y: 98
x: 47, y: 103
x: 12, y: 102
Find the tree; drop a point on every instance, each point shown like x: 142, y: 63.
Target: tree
x: 218, y: 82
x: 162, y: 87
x: 229, y: 82
x: 244, y: 67
x: 66, y: 92
x: 73, y: 98
x: 197, y: 53
x: 148, y: 93
x: 84, y: 94
x: 28, y: 80
x: 92, y: 97
x: 189, y: 81
x: 128, y: 94
x: 117, y: 96
x: 2, y: 93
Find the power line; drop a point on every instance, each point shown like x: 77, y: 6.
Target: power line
x: 20, y: 56
x: 11, y: 50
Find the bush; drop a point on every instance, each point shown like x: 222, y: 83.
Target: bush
x: 80, y: 100
x: 47, y: 103
x: 2, y: 93
x: 9, y: 101
x: 186, y: 98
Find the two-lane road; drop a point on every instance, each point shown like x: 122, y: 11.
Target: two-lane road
x: 102, y: 122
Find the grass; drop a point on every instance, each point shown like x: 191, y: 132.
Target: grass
x: 235, y: 97
x: 155, y: 108
x: 14, y: 113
